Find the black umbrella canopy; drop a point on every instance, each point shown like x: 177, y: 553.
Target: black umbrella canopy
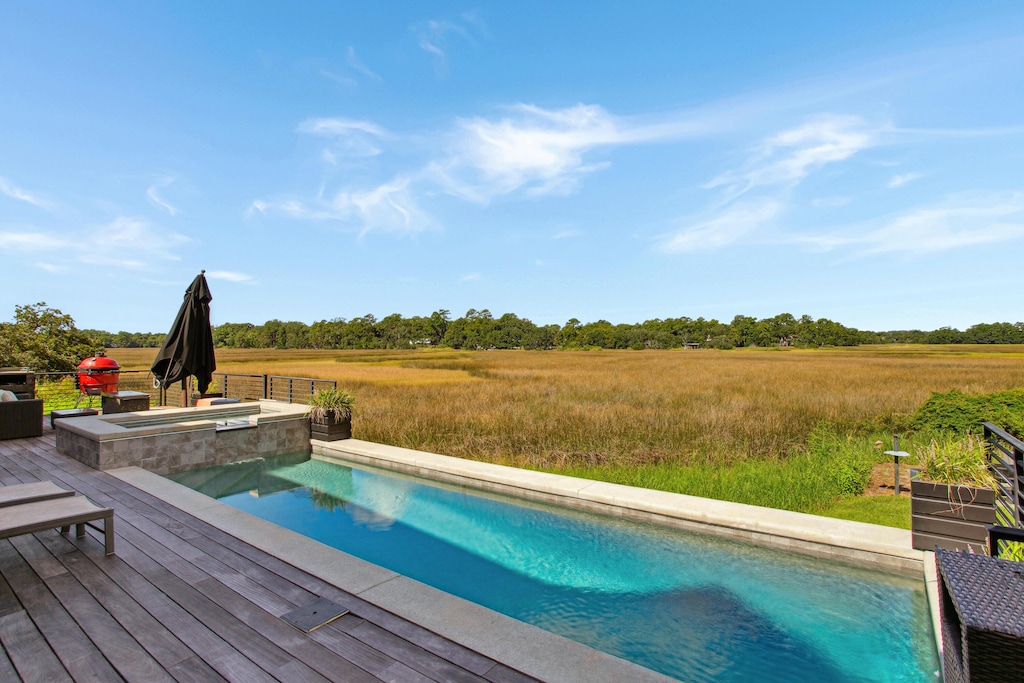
x: 188, y: 348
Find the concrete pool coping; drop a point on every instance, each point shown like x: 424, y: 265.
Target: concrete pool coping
x: 852, y: 542
x: 529, y: 649
x: 524, y: 647
x: 167, y: 420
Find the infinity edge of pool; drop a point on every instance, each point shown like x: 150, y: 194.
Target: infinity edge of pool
x: 527, y: 648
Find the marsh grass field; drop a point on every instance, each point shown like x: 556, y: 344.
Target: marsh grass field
x: 776, y: 427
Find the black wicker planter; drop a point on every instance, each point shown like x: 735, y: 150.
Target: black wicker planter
x: 951, y: 517
x: 332, y: 431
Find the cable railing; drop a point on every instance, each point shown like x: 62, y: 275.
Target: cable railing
x: 61, y: 390
x: 275, y: 387
x: 296, y: 389
x: 1006, y: 461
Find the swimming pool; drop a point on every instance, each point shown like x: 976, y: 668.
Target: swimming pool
x: 696, y: 607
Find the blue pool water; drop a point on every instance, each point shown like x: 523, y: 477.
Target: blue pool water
x: 695, y: 607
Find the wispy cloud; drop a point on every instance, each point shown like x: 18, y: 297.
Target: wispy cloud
x: 530, y: 149
x: 156, y: 200
x: 390, y: 207
x: 30, y: 241
x: 137, y: 236
x: 357, y: 64
x: 993, y: 131
x: 139, y: 244
x: 230, y: 276
x: 348, y: 138
x: 14, y: 192
x: 961, y: 221
x: 830, y: 202
x: 433, y: 36
x: 470, y: 277
x: 50, y: 267
x: 341, y: 79
x: 428, y: 46
x: 753, y: 196
x: 725, y: 228
x: 334, y: 127
x: 784, y: 160
x: 901, y: 180
x: 539, y: 150
x: 787, y: 158
x: 566, y: 234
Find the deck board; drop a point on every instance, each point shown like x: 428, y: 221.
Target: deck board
x: 184, y: 601
x: 29, y: 651
x: 72, y: 646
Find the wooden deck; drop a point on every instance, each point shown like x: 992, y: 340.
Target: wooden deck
x: 183, y: 601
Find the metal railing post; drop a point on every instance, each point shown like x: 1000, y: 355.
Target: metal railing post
x: 1018, y: 472
x: 1005, y: 455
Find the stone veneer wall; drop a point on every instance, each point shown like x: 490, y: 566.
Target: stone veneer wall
x: 278, y: 437
x: 81, y: 448
x: 171, y: 452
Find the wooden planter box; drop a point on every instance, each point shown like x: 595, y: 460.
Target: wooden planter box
x: 332, y: 431
x: 951, y: 517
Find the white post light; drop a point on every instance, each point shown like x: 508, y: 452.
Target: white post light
x: 896, y: 454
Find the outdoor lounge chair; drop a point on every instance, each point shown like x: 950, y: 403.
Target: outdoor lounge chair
x: 29, y: 518
x: 31, y: 493
x: 21, y: 419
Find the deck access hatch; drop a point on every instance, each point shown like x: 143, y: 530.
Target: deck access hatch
x: 314, y: 615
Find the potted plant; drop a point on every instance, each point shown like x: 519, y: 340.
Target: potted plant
x: 952, y: 495
x: 330, y: 414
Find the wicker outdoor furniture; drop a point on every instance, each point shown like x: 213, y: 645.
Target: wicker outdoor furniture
x: 981, y: 605
x: 21, y: 419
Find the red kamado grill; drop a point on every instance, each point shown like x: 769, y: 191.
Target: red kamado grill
x: 98, y: 374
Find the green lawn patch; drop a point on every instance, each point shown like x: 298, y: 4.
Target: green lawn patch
x: 891, y: 511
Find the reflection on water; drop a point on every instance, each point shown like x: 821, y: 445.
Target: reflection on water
x: 695, y: 607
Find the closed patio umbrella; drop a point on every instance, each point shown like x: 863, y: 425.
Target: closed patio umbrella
x: 188, y: 348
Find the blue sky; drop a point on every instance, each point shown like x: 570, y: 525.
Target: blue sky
x: 598, y: 160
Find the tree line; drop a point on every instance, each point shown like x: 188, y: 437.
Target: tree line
x: 46, y: 339
x: 481, y: 330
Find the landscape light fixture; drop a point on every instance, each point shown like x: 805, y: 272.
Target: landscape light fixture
x: 896, y: 454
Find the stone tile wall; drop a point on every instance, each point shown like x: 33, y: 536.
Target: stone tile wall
x: 171, y: 452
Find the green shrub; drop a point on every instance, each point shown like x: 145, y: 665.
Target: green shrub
x: 851, y: 478
x: 959, y: 412
x: 327, y: 403
x: 848, y: 461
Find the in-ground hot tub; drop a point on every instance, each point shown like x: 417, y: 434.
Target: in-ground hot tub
x: 177, y: 439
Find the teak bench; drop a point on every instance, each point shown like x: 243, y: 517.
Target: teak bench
x: 29, y: 518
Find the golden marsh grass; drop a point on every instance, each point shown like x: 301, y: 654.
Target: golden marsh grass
x: 560, y: 409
